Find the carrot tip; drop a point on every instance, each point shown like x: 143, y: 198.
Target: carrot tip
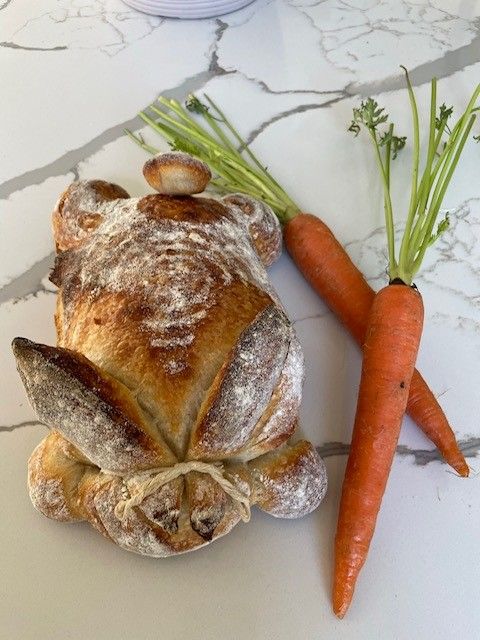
x: 463, y: 469
x: 342, y: 597
x: 460, y: 465
x: 340, y: 614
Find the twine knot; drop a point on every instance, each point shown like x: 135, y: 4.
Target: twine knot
x: 142, y: 484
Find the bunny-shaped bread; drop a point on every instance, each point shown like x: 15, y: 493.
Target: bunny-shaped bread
x: 177, y: 380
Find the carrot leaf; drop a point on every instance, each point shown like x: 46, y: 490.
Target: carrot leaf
x: 443, y: 116
x: 397, y: 142
x: 442, y: 226
x: 387, y: 146
x: 368, y: 114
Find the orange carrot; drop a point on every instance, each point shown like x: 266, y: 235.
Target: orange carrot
x: 394, y: 325
x: 391, y: 345
x: 328, y: 268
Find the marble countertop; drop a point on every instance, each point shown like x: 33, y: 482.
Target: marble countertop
x: 74, y: 73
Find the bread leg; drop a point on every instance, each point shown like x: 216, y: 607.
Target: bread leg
x: 289, y: 482
x: 53, y: 477
x: 279, y: 419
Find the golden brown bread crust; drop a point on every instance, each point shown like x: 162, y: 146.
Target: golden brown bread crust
x: 172, y: 346
x: 289, y: 481
x: 205, y: 513
x: 176, y: 173
x: 183, y: 209
x: 75, y: 215
x: 53, y: 478
x: 111, y: 327
x: 170, y: 399
x: 264, y: 228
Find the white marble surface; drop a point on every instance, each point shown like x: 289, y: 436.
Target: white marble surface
x: 75, y: 72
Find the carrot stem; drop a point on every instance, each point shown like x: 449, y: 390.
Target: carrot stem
x: 426, y: 195
x: 385, y: 174
x: 432, y: 147
x: 234, y: 173
x: 430, y: 221
x: 414, y: 189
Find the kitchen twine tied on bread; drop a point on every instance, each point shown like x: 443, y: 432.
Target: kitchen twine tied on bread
x: 141, y: 484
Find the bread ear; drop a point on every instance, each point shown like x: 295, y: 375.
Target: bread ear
x: 280, y: 418
x: 92, y: 410
x: 242, y: 389
x: 263, y: 225
x: 79, y: 210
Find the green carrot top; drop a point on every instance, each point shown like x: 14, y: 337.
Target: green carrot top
x: 445, y: 146
x: 235, y: 166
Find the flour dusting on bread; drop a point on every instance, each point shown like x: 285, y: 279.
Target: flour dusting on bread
x: 290, y: 481
x: 263, y: 225
x: 172, y: 270
x: 279, y: 420
x: 246, y: 384
x: 173, y: 346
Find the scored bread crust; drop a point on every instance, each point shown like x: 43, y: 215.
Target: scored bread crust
x: 172, y: 346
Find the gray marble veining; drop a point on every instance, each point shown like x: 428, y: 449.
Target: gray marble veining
x: 470, y: 448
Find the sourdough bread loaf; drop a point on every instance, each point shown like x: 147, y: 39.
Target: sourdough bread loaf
x: 175, y: 385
